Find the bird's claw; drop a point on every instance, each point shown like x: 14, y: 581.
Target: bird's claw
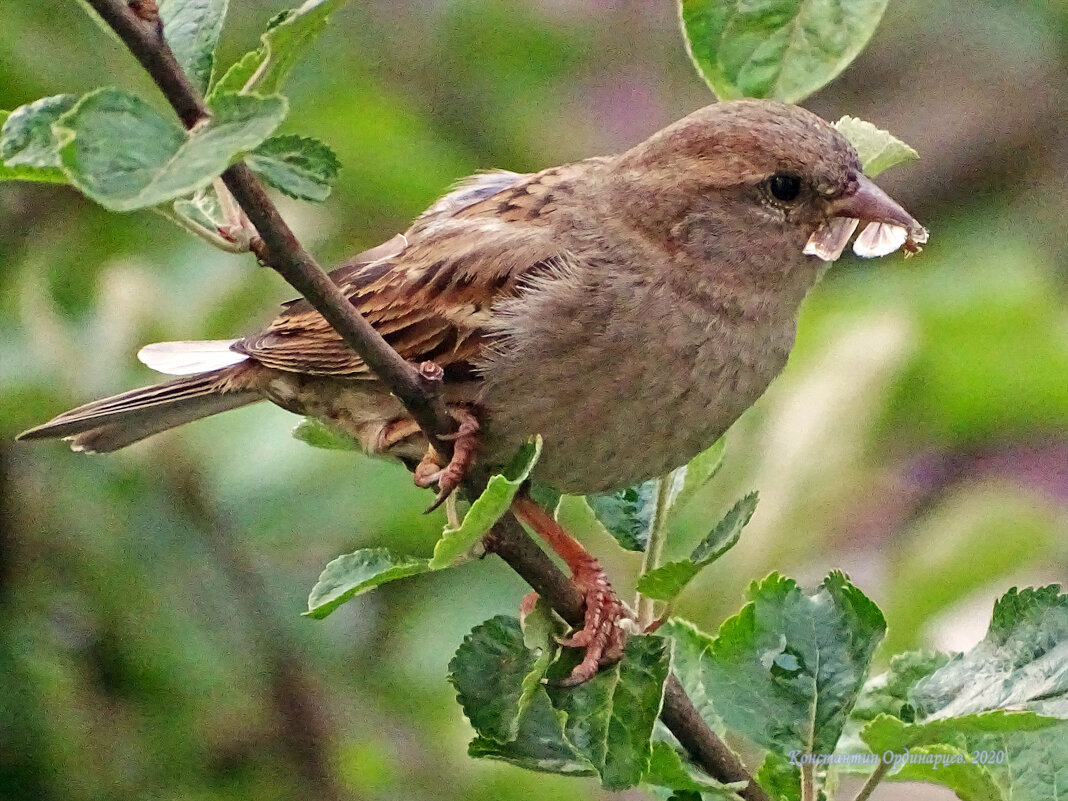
x: 605, y: 630
x: 465, y: 447
x: 607, y: 622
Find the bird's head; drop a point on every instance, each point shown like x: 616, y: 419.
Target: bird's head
x: 758, y: 169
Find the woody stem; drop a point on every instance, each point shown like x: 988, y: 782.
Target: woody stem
x: 654, y: 550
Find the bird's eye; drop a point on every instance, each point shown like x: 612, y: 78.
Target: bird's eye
x: 784, y: 187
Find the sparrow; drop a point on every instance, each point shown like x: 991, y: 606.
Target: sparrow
x: 627, y: 308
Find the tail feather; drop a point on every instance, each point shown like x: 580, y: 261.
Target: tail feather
x: 112, y: 423
x: 187, y: 358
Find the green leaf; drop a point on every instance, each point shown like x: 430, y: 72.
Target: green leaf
x: 242, y: 71
x: 541, y: 627
x: 691, y: 648
x: 539, y: 745
x: 887, y: 733
x: 668, y: 580
x: 288, y: 34
x: 498, y: 681
x: 488, y: 672
x: 1012, y: 755
x: 319, y: 435
x: 668, y: 768
x: 889, y: 692
x: 26, y: 139
x: 726, y: 532
x: 627, y: 514
x: 125, y: 155
x: 46, y: 175
x: 1022, y: 663
x: 298, y: 166
x: 780, y: 779
x: 950, y: 767
x: 1035, y: 765
x: 1004, y: 696
x: 28, y: 173
x: 992, y: 701
x: 356, y: 573
x: 29, y: 150
x: 701, y: 469
x: 192, y: 28
x: 202, y: 208
x: 879, y: 150
x: 783, y: 50
x: 610, y: 717
x: 487, y: 509
x: 787, y: 669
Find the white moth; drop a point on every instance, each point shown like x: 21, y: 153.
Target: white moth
x: 830, y: 239
x: 878, y: 239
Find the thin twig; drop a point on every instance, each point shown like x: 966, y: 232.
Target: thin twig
x: 654, y: 549
x: 873, y: 781
x: 704, y: 747
x: 279, y: 249
x: 808, y: 781
x: 284, y: 254
x: 198, y: 230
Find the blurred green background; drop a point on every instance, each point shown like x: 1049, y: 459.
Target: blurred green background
x: 151, y: 644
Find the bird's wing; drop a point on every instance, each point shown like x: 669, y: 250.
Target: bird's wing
x: 429, y: 292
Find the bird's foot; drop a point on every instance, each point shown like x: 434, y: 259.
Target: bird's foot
x: 604, y: 633
x: 608, y: 621
x: 465, y: 443
x: 607, y: 625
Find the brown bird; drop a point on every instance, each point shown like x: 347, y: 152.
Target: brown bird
x: 627, y: 308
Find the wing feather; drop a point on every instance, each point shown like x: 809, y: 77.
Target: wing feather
x: 429, y: 291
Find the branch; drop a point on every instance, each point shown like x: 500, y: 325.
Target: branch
x: 873, y: 781
x: 279, y: 249
x: 654, y: 549
x: 808, y: 782
x: 511, y: 543
x: 702, y: 744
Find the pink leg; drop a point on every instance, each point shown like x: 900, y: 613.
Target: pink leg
x: 601, y: 635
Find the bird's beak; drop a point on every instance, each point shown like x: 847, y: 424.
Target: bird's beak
x: 871, y: 204
x: 889, y: 226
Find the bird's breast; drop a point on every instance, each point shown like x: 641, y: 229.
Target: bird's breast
x: 626, y: 380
